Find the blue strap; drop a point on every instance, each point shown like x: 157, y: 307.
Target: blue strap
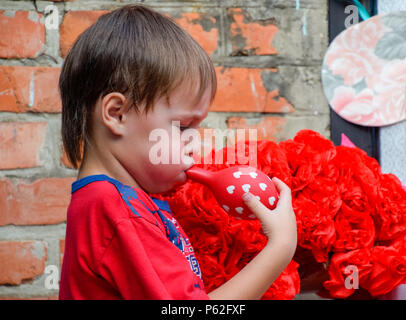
x: 86, y: 180
x: 161, y: 204
x: 364, y: 14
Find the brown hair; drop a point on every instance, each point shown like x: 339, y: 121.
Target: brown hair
x: 133, y: 50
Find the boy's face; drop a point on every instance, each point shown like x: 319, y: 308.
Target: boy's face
x: 152, y: 150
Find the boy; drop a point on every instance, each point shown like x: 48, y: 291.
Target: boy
x: 134, y: 71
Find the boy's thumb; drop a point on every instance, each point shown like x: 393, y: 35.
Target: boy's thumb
x: 254, y: 204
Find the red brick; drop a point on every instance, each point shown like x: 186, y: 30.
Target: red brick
x: 20, y: 144
x: 8, y: 203
x: 15, y: 88
x: 21, y: 260
x: 43, y: 201
x: 46, y: 98
x: 267, y: 127
x: 250, y: 37
x: 193, y: 22
x: 22, y: 35
x: 242, y: 90
x: 73, y: 24
x: 33, y: 89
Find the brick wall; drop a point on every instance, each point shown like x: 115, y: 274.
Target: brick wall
x: 267, y: 56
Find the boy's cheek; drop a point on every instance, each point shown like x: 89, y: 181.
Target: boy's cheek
x: 165, y: 177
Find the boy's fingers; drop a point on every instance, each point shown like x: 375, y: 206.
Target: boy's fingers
x: 282, y: 187
x: 254, y: 204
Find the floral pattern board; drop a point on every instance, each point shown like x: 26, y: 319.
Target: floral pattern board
x: 364, y: 71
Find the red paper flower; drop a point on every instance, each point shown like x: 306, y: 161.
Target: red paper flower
x: 354, y: 229
x: 390, y: 217
x: 347, y: 271
x: 286, y: 286
x: 389, y: 268
x: 315, y: 230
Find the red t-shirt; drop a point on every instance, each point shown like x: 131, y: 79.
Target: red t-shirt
x: 122, y: 244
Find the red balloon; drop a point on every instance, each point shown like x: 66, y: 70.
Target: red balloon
x: 228, y: 186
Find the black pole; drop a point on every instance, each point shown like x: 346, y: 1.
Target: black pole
x: 366, y: 138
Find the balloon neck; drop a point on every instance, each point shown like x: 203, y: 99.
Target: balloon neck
x: 199, y: 175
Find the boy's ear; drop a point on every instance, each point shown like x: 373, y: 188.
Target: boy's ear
x: 114, y: 112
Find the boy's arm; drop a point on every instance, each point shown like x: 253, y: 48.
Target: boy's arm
x: 280, y: 227
x: 256, y: 277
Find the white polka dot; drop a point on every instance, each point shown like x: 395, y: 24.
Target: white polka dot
x: 230, y: 189
x: 253, y: 175
x: 237, y: 174
x: 246, y: 187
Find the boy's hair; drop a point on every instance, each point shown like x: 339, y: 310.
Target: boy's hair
x: 133, y: 50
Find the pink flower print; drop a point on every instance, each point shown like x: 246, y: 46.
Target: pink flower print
x: 372, y: 32
x: 354, y: 67
x: 356, y: 108
x: 390, y: 88
x: 391, y: 105
x: 352, y: 56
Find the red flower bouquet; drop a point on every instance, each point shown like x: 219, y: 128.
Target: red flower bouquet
x: 350, y: 218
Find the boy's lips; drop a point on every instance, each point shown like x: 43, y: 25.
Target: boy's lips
x: 189, y: 166
x: 180, y: 179
x: 183, y: 175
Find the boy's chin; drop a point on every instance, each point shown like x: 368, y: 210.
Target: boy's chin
x: 180, y: 179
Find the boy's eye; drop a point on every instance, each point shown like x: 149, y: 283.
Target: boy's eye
x: 183, y: 128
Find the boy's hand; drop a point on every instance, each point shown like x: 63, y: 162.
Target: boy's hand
x: 279, y: 225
